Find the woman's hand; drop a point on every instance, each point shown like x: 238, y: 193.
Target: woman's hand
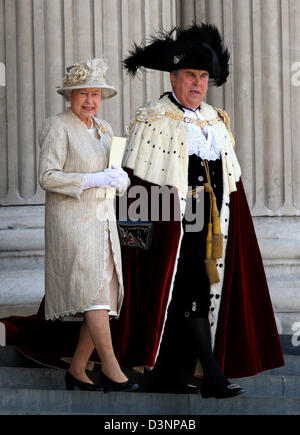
x: 119, y: 178
x: 98, y: 179
x: 114, y: 177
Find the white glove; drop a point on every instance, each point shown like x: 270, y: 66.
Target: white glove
x: 98, y: 179
x: 114, y: 177
x: 119, y: 178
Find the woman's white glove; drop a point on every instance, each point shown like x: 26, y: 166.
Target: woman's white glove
x: 114, y: 177
x: 119, y: 176
x: 98, y: 179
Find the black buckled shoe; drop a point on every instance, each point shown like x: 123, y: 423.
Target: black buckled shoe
x: 230, y: 390
x: 72, y: 382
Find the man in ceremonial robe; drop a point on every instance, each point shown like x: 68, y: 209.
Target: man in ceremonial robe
x: 194, y: 296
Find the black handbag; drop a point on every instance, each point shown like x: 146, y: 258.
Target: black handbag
x: 136, y: 234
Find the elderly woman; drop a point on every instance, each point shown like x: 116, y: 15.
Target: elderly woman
x: 83, y: 260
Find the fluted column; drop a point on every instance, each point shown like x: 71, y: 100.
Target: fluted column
x: 293, y: 98
x: 272, y: 99
x: 3, y: 133
x: 150, y: 17
x: 53, y: 35
x: 25, y: 98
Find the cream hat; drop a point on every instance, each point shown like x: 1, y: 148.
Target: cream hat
x: 89, y: 74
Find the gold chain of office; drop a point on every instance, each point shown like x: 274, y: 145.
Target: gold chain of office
x: 187, y: 120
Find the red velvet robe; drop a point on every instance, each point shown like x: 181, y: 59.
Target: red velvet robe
x: 246, y: 341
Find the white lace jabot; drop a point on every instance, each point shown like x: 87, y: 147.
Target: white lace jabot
x: 202, y: 142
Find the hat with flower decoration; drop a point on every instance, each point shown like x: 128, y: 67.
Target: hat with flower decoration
x: 199, y: 46
x: 89, y: 74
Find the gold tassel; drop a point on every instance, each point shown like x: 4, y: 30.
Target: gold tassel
x: 217, y: 248
x: 212, y: 271
x: 209, y: 241
x: 217, y: 243
x: 210, y: 263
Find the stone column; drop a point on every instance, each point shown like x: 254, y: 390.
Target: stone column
x: 3, y: 154
x: 2, y: 74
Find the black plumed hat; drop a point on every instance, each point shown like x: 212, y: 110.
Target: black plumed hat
x: 199, y: 46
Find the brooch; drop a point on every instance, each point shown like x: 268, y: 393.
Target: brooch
x: 103, y: 128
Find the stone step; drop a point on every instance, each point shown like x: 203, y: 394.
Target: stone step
x: 40, y: 390
x: 53, y: 379
x: 271, y: 385
x: 11, y: 357
x: 291, y: 367
x: 33, y: 401
x: 41, y: 413
x: 32, y: 378
x: 21, y: 287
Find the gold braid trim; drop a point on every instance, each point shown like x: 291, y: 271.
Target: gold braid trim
x: 225, y: 118
x: 187, y: 120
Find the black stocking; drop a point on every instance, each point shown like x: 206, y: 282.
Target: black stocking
x: 200, y: 337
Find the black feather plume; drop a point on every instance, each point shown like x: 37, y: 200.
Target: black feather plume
x: 198, y: 47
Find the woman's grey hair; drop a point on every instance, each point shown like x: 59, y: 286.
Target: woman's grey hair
x: 66, y: 97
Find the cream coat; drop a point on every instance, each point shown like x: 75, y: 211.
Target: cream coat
x: 78, y: 222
